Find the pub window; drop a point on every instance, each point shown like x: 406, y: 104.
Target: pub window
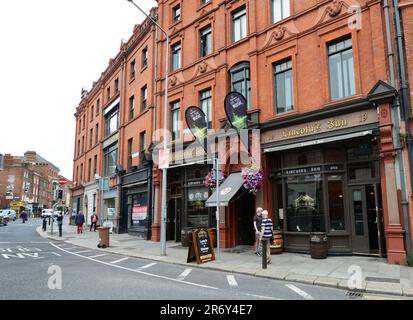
x: 305, y: 204
x: 78, y: 148
x: 77, y: 174
x: 336, y: 202
x: 240, y: 80
x: 92, y: 113
x: 176, y: 57
x: 83, y: 144
x: 84, y: 122
x: 81, y: 172
x: 108, y: 93
x: 205, y: 98
x: 205, y: 41
x: 175, y: 120
x: 97, y: 106
x: 280, y: 9
x: 284, y: 95
x: 239, y: 25
x: 341, y: 69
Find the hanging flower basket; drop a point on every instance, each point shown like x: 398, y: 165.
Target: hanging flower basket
x: 253, y: 178
x: 210, y: 181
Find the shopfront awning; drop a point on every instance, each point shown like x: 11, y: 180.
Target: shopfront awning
x: 227, y: 190
x: 319, y: 141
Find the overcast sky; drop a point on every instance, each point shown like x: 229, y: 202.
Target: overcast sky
x: 49, y: 50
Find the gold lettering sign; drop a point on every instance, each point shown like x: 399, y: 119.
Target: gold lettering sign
x: 321, y: 126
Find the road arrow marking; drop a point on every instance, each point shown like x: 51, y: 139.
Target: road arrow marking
x: 184, y: 274
x: 305, y: 295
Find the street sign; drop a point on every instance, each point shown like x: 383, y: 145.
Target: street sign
x: 62, y: 182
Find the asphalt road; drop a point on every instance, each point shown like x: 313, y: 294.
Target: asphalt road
x: 30, y: 268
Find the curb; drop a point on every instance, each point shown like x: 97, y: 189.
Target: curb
x: 318, y: 281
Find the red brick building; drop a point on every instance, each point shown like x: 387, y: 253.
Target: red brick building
x: 27, y: 181
x: 324, y: 84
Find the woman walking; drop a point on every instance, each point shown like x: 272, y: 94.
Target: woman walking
x: 79, y: 221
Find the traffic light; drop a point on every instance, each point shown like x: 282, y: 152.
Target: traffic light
x: 60, y: 194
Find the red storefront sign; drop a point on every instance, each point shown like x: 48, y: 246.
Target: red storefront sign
x: 139, y: 213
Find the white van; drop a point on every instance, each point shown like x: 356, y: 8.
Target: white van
x: 46, y: 213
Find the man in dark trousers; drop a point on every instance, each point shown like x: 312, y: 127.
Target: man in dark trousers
x: 79, y: 221
x: 94, y: 221
x: 60, y: 223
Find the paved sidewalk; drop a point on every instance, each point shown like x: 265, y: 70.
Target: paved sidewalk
x: 378, y: 276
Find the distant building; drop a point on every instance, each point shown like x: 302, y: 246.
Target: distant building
x: 27, y: 181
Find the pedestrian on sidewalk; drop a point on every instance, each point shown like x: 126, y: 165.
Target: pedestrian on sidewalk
x: 94, y: 220
x: 266, y: 232
x: 79, y: 221
x: 60, y: 223
x: 257, y: 229
x: 23, y: 215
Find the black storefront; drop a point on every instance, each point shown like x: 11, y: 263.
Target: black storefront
x: 136, y: 205
x: 187, y: 195
x: 327, y: 179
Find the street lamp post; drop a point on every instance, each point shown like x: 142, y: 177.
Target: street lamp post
x: 165, y: 119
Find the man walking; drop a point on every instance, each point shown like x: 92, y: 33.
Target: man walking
x: 266, y: 232
x: 60, y: 223
x: 79, y: 221
x: 94, y: 220
x: 257, y: 228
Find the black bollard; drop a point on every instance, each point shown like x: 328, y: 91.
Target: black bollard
x: 264, y: 254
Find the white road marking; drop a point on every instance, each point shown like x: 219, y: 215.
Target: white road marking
x: 99, y: 255
x: 305, y: 295
x: 261, y: 297
x: 83, y: 251
x: 70, y: 248
x: 147, y: 266
x: 231, y: 280
x: 136, y: 271
x: 184, y: 274
x: 119, y: 260
x: 56, y: 254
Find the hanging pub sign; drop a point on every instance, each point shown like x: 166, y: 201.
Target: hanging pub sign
x: 201, y: 247
x: 196, y: 121
x: 236, y: 108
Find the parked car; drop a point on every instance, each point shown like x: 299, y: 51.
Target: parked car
x: 9, y: 214
x: 46, y: 213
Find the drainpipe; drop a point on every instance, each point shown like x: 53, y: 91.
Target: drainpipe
x: 154, y: 197
x: 405, y: 104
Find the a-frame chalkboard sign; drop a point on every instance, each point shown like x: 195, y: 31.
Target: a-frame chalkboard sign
x: 201, y: 247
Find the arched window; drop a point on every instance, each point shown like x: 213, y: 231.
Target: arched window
x: 240, y: 80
